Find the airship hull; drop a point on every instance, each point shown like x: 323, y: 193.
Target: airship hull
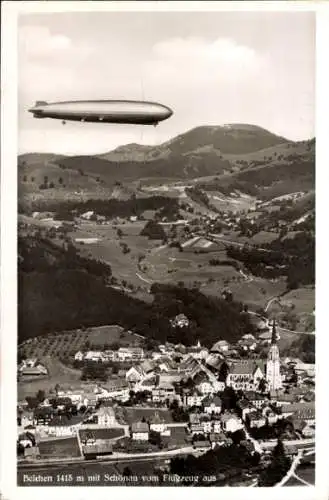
x: 131, y: 112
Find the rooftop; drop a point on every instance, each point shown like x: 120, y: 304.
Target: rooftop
x: 139, y: 427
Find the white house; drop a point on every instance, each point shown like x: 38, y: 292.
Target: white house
x: 135, y: 374
x: 106, y: 417
x: 194, y: 399
x: 116, y: 389
x: 220, y: 346
x: 158, y: 424
x: 94, y: 356
x: 212, y: 405
x: 79, y: 356
x: 230, y: 422
x: 140, y: 431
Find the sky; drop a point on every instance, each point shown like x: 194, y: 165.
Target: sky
x: 211, y: 68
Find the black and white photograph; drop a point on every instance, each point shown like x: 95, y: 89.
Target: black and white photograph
x: 165, y: 247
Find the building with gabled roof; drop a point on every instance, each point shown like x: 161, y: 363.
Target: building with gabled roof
x: 158, y: 424
x: 212, y: 405
x: 245, y: 374
x: 140, y: 431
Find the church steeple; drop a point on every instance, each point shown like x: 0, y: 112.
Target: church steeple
x: 274, y: 337
x: 273, y: 375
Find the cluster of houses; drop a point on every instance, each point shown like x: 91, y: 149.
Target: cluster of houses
x: 196, y: 380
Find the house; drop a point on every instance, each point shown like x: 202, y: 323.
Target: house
x: 230, y: 422
x: 148, y: 367
x: 43, y: 416
x: 171, y: 377
x: 255, y: 398
x: 212, y: 405
x: 271, y: 416
x: 106, y: 416
x: 207, y: 425
x: 140, y: 431
x: 137, y: 353
x: 244, y: 407
x: 217, y: 426
x: 31, y: 452
x: 301, y: 411
x: 158, y: 424
x: 116, y: 389
x: 220, y: 346
x: 94, y: 356
x: 206, y: 382
x: 147, y: 385
x: 134, y: 374
x: 308, y: 430
x: 217, y: 439
x: 180, y: 321
x: 248, y: 344
x: 281, y: 398
x: 63, y: 426
x: 33, y: 371
x: 87, y: 215
x: 256, y: 419
x: 79, y: 356
x: 164, y: 391
x: 201, y: 445
x: 194, y: 399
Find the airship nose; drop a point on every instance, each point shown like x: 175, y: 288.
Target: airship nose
x: 168, y: 112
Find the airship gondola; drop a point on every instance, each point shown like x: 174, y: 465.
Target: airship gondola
x: 105, y: 111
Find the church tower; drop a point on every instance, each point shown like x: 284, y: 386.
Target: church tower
x: 273, y: 376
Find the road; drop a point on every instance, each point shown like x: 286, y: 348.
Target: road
x: 144, y: 279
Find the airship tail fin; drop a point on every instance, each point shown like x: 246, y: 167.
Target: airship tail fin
x: 41, y: 103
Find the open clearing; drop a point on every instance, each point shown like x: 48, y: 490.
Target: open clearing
x: 58, y: 373
x: 64, y: 448
x: 131, y: 415
x: 66, y: 344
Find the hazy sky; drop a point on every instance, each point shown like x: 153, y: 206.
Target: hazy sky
x: 211, y: 68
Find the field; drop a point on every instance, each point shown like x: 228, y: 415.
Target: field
x: 130, y: 414
x: 58, y: 373
x: 68, y: 343
x: 109, y: 247
x: 64, y: 448
x: 303, y: 299
x: 98, y: 433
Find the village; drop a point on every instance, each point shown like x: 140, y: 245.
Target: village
x: 172, y: 398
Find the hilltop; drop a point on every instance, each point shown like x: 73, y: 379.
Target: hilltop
x: 223, y: 159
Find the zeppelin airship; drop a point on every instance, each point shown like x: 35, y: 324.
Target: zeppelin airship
x: 107, y: 111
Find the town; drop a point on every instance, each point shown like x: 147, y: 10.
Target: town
x: 172, y: 401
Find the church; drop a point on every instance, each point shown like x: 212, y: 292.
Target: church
x: 273, y: 375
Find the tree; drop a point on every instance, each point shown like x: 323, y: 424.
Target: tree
x: 229, y: 399
x: 278, y: 467
x: 41, y: 396
x: 126, y: 471
x: 153, y: 231
x: 262, y: 386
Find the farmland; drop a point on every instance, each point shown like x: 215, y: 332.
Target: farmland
x: 58, y: 373
x: 64, y: 448
x: 66, y: 344
x: 129, y: 415
x: 98, y: 433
